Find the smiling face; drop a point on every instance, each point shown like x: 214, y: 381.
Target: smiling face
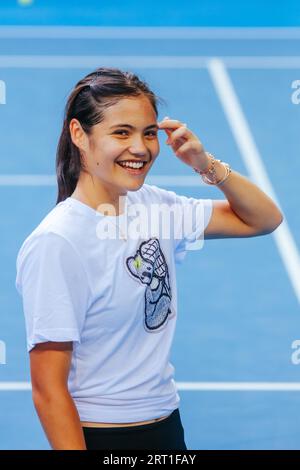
x: 128, y: 133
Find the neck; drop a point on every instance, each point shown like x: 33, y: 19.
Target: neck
x: 95, y: 193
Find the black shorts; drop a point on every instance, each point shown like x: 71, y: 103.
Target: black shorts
x: 162, y: 435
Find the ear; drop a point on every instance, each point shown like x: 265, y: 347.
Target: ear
x: 78, y: 136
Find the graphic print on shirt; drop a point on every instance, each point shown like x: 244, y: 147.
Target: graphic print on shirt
x: 149, y: 266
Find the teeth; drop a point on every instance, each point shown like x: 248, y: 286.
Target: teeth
x: 132, y: 165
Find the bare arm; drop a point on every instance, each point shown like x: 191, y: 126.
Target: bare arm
x: 247, y: 212
x: 50, y: 365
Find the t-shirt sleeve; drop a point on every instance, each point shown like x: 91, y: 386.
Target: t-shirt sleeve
x: 190, y: 217
x: 194, y: 216
x: 54, y: 287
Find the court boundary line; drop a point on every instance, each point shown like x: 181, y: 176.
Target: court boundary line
x: 50, y: 180
x: 150, y: 32
x: 193, y: 386
x: 55, y: 61
x: 250, y: 154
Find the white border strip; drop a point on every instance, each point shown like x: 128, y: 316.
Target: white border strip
x: 254, y: 164
x: 155, y: 32
x: 50, y: 180
x: 146, y: 62
x: 195, y: 386
x: 240, y: 386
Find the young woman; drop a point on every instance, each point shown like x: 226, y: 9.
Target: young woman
x: 99, y: 294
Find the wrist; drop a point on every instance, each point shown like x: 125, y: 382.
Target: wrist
x: 206, y: 162
x: 216, y: 172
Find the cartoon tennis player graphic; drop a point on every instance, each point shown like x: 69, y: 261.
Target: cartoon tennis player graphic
x: 149, y: 266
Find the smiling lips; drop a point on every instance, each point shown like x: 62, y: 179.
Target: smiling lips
x: 133, y: 167
x: 132, y: 163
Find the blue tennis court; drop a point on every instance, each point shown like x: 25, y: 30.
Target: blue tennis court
x: 238, y: 298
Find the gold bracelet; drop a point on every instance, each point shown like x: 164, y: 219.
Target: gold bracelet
x: 209, y: 169
x: 212, y: 171
x: 227, y: 173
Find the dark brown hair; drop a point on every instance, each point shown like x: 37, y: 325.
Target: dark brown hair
x: 87, y: 102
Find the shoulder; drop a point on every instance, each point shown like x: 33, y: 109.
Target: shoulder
x: 166, y: 196
x: 53, y: 232
x: 46, y: 256
x: 153, y: 193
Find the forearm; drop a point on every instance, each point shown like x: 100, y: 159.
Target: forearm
x: 248, y: 202
x: 60, y: 420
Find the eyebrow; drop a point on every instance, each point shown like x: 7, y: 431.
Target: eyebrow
x: 132, y: 127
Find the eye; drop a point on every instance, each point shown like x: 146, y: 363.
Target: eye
x: 120, y: 132
x: 153, y: 133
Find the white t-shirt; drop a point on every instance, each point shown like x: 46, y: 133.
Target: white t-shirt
x: 115, y: 299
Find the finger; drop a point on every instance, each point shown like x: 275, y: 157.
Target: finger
x: 178, y: 133
x: 169, y: 124
x: 183, y: 148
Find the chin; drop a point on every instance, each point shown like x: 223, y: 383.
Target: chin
x: 135, y: 185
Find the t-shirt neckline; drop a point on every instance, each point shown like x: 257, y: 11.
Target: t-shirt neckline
x: 88, y: 210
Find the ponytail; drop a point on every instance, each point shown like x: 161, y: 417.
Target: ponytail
x: 68, y: 164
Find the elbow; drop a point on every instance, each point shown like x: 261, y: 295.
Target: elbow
x: 46, y: 396
x: 277, y: 220
x: 271, y: 224
x: 40, y: 400
x: 40, y: 397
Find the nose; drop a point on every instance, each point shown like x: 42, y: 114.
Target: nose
x: 139, y: 152
x: 138, y: 147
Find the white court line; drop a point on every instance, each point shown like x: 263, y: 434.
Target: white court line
x: 50, y: 180
x: 147, y: 32
x: 254, y: 164
x: 14, y: 386
x: 240, y: 386
x: 261, y: 62
x: 27, y: 180
x: 195, y: 386
x: 145, y: 62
